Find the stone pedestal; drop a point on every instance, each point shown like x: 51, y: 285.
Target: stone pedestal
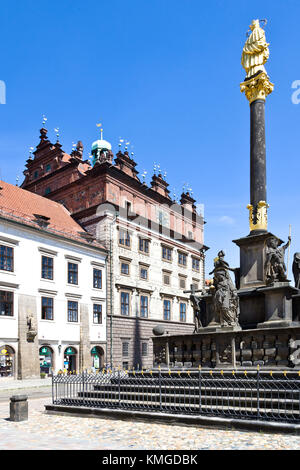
x: 211, y: 323
x: 252, y: 278
x: 19, y: 408
x: 252, y: 259
x: 278, y: 305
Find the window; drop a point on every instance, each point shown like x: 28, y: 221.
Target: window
x: 124, y: 238
x: 97, y: 313
x: 160, y: 217
x: 144, y: 306
x: 166, y: 279
x: 97, y: 278
x: 125, y: 269
x: 196, y: 284
x: 144, y: 349
x: 196, y: 264
x: 47, y: 191
x: 144, y: 245
x: 182, y: 315
x: 48, y: 167
x: 124, y: 303
x: 182, y: 259
x: 72, y: 311
x: 36, y: 174
x: 47, y: 308
x: 6, y: 258
x: 127, y: 208
x: 167, y: 309
x: 72, y: 273
x: 47, y: 267
x: 144, y: 273
x: 6, y: 303
x: 125, y: 349
x: 182, y: 282
x: 167, y: 253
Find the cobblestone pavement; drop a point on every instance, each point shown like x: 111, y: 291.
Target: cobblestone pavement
x: 11, y: 384
x: 49, y: 432
x: 32, y: 388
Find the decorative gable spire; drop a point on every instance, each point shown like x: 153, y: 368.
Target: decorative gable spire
x: 159, y: 183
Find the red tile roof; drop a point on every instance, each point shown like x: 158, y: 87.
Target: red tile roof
x: 21, y: 205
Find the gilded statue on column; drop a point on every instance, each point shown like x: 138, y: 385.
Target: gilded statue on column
x: 255, y: 54
x: 256, y: 50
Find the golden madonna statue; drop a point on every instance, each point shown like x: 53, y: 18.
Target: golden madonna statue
x: 256, y: 51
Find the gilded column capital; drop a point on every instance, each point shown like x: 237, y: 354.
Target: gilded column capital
x: 257, y: 88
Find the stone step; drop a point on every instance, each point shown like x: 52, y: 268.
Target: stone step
x: 140, y: 388
x: 215, y: 408
x: 282, y: 403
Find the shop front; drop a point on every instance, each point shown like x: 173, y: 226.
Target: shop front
x: 7, y: 361
x: 70, y: 361
x: 46, y: 359
x: 97, y: 357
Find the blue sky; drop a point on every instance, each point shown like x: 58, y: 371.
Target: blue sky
x: 165, y: 75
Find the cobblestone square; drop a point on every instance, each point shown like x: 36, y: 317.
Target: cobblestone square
x: 50, y: 432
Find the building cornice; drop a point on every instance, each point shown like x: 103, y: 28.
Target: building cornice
x: 46, y: 233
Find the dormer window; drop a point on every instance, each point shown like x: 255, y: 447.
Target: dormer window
x: 42, y: 220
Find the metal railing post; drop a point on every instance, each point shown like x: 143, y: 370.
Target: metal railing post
x: 83, y: 387
x: 119, y: 387
x: 52, y: 389
x: 200, y: 397
x: 257, y: 392
x: 160, y: 396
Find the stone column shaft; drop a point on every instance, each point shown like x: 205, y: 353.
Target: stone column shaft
x: 257, y: 153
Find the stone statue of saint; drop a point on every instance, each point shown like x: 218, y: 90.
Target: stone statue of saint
x: 256, y: 51
x: 31, y: 330
x: 296, y: 270
x: 221, y: 263
x: 225, y: 299
x: 275, y: 267
x: 199, y: 307
x: 198, y: 304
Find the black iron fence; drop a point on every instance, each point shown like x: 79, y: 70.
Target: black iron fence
x: 273, y: 396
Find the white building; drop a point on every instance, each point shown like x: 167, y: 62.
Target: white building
x: 52, y: 288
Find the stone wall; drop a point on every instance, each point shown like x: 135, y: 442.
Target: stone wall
x: 85, y: 359
x: 28, y: 352
x: 268, y: 348
x: 135, y: 331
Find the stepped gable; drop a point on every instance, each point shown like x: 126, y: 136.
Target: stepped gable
x: 50, y: 158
